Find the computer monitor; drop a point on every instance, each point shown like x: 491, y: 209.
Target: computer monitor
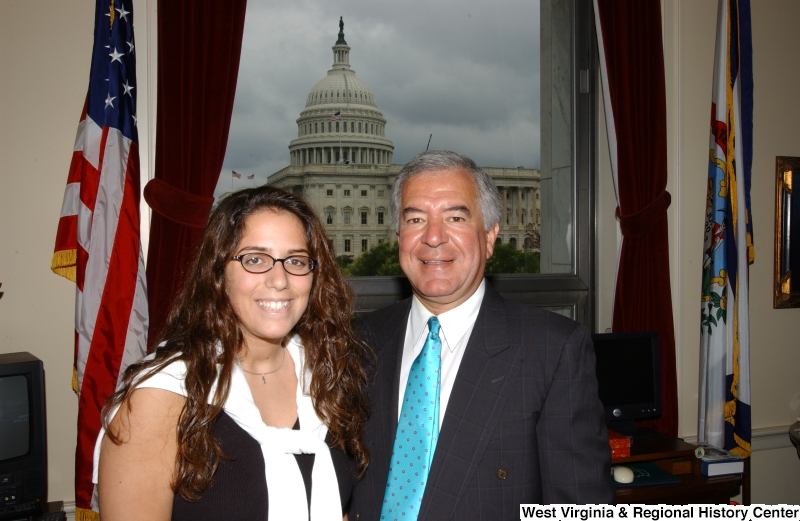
x: 629, y: 378
x: 23, y: 432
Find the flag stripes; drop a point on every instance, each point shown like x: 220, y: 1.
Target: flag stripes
x: 98, y: 244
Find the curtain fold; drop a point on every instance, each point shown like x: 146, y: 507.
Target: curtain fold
x: 632, y: 67
x: 199, y: 46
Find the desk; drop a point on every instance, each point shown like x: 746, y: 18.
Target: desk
x: 693, y: 488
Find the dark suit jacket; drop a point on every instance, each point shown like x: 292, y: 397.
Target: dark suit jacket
x: 523, y: 424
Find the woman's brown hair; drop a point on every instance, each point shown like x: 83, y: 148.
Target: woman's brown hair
x: 202, y: 319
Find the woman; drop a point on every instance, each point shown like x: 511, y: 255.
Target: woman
x: 258, y: 365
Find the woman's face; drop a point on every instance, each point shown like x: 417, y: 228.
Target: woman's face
x: 269, y: 304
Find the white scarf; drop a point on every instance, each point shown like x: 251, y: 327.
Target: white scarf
x: 285, y: 486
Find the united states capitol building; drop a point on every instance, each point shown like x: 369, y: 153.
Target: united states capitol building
x: 341, y: 163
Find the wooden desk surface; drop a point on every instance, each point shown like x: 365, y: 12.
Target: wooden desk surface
x: 652, y: 445
x: 691, y: 490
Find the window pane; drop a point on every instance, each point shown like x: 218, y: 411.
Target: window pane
x: 490, y: 80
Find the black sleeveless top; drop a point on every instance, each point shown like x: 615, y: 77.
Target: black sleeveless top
x: 238, y: 490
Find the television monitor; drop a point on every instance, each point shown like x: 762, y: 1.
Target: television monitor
x: 628, y: 377
x: 23, y: 433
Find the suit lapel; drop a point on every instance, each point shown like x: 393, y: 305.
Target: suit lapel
x: 481, y: 389
x: 388, y: 342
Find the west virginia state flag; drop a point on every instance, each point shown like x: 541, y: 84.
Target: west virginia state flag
x: 97, y: 243
x: 724, y: 403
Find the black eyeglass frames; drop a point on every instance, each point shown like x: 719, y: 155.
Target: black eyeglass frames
x: 262, y: 263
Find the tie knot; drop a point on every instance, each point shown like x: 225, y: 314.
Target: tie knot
x: 433, y: 326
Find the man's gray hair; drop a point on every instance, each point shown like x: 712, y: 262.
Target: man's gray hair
x: 430, y: 161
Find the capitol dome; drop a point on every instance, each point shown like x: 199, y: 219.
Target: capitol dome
x: 341, y: 122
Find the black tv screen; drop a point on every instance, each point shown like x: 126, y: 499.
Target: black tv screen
x: 14, y: 417
x: 628, y: 375
x: 23, y: 430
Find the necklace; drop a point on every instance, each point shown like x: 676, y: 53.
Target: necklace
x: 264, y: 380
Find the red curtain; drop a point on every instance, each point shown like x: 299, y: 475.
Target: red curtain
x: 631, y: 41
x: 199, y: 45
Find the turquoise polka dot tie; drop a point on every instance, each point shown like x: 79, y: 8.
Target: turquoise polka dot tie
x: 417, y: 432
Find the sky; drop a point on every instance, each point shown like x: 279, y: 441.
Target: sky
x: 466, y: 71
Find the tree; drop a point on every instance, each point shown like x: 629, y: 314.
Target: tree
x: 381, y: 259
x: 343, y: 261
x: 507, y: 259
x: 533, y: 238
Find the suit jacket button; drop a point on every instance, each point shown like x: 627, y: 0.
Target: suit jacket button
x: 502, y: 474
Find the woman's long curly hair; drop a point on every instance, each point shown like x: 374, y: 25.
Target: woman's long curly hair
x: 202, y: 318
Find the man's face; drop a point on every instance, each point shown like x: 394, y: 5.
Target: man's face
x: 443, y: 245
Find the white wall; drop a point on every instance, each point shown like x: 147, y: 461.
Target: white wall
x: 46, y: 50
x: 689, y: 31
x: 775, y: 353
x: 45, y: 54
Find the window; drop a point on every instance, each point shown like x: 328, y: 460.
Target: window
x: 347, y: 217
x: 363, y: 193
x: 329, y: 192
x: 347, y: 193
x: 329, y: 218
x: 337, y: 126
x: 364, y: 243
x: 363, y: 217
x: 553, y: 94
x: 347, y: 245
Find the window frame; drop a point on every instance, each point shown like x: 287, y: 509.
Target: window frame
x: 552, y: 290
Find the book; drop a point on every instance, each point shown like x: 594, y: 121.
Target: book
x: 718, y: 462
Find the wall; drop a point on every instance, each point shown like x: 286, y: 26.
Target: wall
x: 775, y: 356
x: 689, y: 27
x: 44, y: 62
x: 46, y: 51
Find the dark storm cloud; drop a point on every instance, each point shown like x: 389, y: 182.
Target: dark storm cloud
x: 465, y: 71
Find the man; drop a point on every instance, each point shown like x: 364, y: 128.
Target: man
x: 490, y: 403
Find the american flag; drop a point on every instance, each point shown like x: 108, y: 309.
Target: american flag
x: 337, y: 116
x: 237, y: 175
x: 97, y: 243
x: 251, y: 176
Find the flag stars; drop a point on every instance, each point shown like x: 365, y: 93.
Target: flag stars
x: 123, y: 13
x: 128, y: 88
x: 115, y: 56
x: 110, y: 101
x: 130, y: 47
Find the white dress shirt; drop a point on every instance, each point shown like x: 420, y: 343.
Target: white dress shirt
x: 456, y: 328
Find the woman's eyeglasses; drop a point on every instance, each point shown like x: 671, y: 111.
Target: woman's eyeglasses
x: 262, y: 263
